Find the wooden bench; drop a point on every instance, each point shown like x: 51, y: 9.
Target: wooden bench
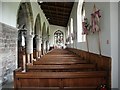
x: 60, y: 60
x: 61, y: 57
x: 57, y: 62
x: 58, y: 79
x: 61, y: 68
x: 59, y: 51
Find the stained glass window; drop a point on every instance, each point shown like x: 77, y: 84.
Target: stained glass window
x: 59, y: 38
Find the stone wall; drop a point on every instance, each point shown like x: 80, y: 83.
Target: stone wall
x: 8, y: 52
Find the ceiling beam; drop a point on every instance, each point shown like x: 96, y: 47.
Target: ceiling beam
x: 57, y: 23
x: 56, y: 16
x: 61, y: 21
x: 63, y: 6
x: 43, y: 6
x: 54, y: 12
x: 57, y: 13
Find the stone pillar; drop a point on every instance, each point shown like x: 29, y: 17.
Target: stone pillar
x: 47, y: 46
x: 38, y: 46
x: 24, y: 63
x: 44, y: 47
x: 29, y: 49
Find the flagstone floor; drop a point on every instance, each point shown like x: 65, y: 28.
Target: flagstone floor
x: 8, y: 85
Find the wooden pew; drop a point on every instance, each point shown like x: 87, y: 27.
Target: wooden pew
x: 59, y: 51
x: 61, y: 68
x: 61, y: 57
x: 60, y: 60
x: 64, y: 55
x: 59, y: 72
x: 57, y: 62
x: 59, y: 79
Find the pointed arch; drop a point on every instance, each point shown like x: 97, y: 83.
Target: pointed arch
x: 48, y: 32
x: 44, y: 30
x: 58, y: 38
x: 47, y: 42
x: 37, y: 31
x: 37, y: 27
x: 43, y: 45
x: 58, y: 31
x: 24, y: 21
x: 25, y: 16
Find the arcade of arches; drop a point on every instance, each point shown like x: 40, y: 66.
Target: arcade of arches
x: 27, y: 36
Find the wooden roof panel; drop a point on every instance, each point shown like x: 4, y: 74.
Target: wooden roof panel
x: 57, y: 12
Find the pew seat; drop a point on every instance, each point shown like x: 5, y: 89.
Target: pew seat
x: 48, y: 62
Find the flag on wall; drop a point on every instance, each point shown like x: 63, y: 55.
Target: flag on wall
x: 95, y: 18
x: 86, y: 26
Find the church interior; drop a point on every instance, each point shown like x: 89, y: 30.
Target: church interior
x: 59, y: 45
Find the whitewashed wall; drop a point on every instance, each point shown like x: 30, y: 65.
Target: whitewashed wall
x: 119, y: 45
x: 108, y: 34
x: 9, y: 13
x: 105, y: 28
x: 93, y: 38
x: 0, y: 11
x: 10, y: 10
x: 74, y: 16
x: 114, y: 42
x: 53, y: 29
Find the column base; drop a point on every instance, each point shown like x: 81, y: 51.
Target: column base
x: 29, y: 64
x: 24, y: 71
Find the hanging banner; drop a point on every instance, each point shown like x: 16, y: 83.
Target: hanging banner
x: 86, y: 26
x: 95, y: 18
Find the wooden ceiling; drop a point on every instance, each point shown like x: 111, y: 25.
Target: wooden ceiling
x: 57, y: 13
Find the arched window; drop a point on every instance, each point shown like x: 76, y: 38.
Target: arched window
x: 68, y: 35
x: 80, y: 16
x: 68, y: 32
x: 59, y: 38
x: 71, y: 29
x: 83, y: 17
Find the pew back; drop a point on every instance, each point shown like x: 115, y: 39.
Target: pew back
x: 59, y: 79
x: 61, y: 68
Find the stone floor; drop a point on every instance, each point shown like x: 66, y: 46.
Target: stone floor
x: 8, y: 85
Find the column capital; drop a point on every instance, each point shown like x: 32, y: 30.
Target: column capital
x: 38, y: 37
x: 30, y: 36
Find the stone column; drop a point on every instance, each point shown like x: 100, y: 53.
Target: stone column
x: 44, y: 47
x: 47, y: 47
x: 29, y: 49
x: 38, y: 46
x: 24, y: 63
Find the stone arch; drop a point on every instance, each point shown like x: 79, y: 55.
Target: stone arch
x: 25, y: 16
x: 44, y: 31
x: 24, y: 23
x: 37, y: 27
x: 37, y: 30
x: 48, y: 32
x: 47, y: 42
x: 44, y: 36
